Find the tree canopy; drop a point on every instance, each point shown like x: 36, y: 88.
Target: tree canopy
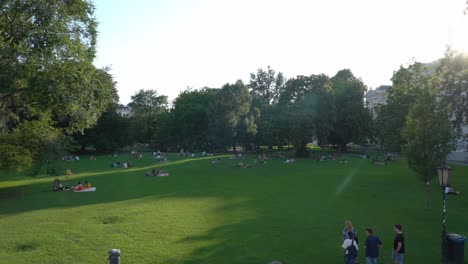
x: 46, y: 71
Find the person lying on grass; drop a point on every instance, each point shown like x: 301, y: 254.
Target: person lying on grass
x: 156, y: 172
x: 450, y: 190
x: 216, y: 161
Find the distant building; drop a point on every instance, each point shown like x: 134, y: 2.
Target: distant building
x: 124, y: 111
x: 376, y: 97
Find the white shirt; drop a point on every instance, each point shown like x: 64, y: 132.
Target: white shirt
x: 347, y: 243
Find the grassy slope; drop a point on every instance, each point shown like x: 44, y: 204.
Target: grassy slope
x: 206, y: 213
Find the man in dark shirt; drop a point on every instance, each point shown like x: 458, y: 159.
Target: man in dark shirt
x: 398, y: 246
x: 373, y: 244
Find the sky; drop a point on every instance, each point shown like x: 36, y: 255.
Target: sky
x: 171, y: 45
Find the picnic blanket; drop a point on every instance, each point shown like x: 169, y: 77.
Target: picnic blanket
x: 92, y: 189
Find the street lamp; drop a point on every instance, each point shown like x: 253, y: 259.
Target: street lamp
x: 444, y: 172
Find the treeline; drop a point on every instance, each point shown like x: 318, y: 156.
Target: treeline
x: 268, y: 111
x: 272, y: 110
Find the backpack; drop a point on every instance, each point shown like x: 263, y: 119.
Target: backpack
x: 352, y: 251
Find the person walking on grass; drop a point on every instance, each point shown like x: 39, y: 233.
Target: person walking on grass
x: 398, y: 245
x: 373, y: 244
x: 348, y: 228
x: 350, y: 249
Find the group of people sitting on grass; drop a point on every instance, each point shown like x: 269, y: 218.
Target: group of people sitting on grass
x: 160, y: 157
x: 245, y: 165
x: 120, y: 164
x: 290, y: 161
x: 186, y: 153
x: 58, y: 186
x: 70, y: 158
x: 136, y: 155
x: 156, y: 172
x: 80, y: 187
x: 204, y: 153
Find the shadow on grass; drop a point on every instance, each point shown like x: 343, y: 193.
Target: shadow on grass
x: 285, y: 216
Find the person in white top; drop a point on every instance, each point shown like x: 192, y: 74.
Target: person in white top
x: 349, y: 256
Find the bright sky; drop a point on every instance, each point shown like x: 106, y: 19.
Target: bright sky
x: 174, y: 44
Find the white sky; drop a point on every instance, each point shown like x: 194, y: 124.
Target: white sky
x: 171, y: 45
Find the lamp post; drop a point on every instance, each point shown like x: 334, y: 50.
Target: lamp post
x: 444, y: 172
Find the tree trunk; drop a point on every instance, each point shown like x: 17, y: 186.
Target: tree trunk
x: 426, y: 194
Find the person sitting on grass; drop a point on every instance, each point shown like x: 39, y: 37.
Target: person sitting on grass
x: 450, y: 190
x: 58, y: 186
x: 78, y: 187
x: 68, y: 172
x: 87, y: 185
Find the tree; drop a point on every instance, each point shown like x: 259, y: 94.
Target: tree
x: 453, y: 74
x: 47, y: 50
x: 352, y: 120
x: 112, y: 132
x: 429, y: 137
x: 147, y: 106
x: 391, y: 118
x: 190, y: 120
x: 32, y: 144
x: 306, y: 107
x: 265, y: 87
x: 230, y: 108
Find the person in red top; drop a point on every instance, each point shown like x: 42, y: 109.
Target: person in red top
x: 79, y: 187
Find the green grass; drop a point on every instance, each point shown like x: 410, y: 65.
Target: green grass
x: 206, y: 213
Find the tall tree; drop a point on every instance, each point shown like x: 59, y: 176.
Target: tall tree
x: 306, y: 107
x: 391, y: 118
x: 265, y: 87
x: 190, y: 118
x: 230, y: 108
x: 429, y: 137
x: 352, y: 120
x: 112, y: 132
x: 453, y: 74
x: 147, y: 106
x: 47, y: 50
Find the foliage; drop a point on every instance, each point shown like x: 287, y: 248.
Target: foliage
x: 190, y: 118
x: 147, y: 106
x: 352, y: 121
x: 453, y: 74
x: 305, y: 111
x: 44, y: 144
x: 229, y: 114
x: 112, y: 132
x: 391, y: 118
x: 266, y: 87
x: 47, y: 50
x: 429, y: 136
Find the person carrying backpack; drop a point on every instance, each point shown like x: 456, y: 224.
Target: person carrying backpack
x: 350, y: 249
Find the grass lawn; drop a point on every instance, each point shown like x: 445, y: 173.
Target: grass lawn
x: 206, y: 213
